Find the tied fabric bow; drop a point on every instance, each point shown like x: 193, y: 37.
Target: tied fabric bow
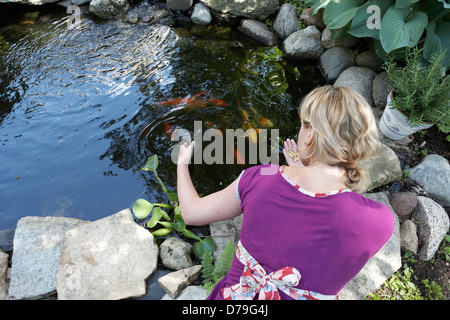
x: 255, y: 280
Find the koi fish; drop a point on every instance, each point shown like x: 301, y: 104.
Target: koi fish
x: 238, y: 157
x: 198, y: 100
x: 168, y: 129
x: 266, y: 122
x: 248, y: 125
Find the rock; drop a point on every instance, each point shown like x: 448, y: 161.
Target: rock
x: 201, y: 14
x: 174, y: 282
x: 6, y: 239
x: 253, y: 9
x: 154, y: 290
x: 369, y: 59
x: 106, y: 259
x: 433, y: 173
x: 380, y: 267
x: 334, y: 61
x: 384, y: 168
x: 380, y: 90
x: 304, y: 44
x: 190, y: 293
x: 176, y: 254
x: 328, y: 41
x: 37, y: 250
x: 359, y: 79
x: 3, y: 272
x: 258, y: 31
x: 80, y: 2
x: 408, y: 235
x: 181, y: 5
x: 432, y: 228
x: 108, y: 9
x: 403, y: 203
x: 310, y: 19
x: 286, y: 21
x: 29, y: 2
x: 222, y: 231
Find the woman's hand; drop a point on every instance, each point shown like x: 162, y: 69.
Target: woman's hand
x: 291, y: 154
x: 185, y: 153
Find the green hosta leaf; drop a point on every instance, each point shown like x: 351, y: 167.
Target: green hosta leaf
x: 338, y: 14
x: 437, y: 40
x: 317, y: 4
x: 399, y: 30
x: 404, y: 3
x: 156, y: 216
x: 142, y: 208
x: 365, y: 17
x: 152, y: 163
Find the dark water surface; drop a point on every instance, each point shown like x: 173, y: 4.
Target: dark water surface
x: 79, y: 112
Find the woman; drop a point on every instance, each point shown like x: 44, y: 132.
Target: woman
x: 306, y: 231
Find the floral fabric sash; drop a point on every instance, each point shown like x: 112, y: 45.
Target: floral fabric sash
x: 255, y: 280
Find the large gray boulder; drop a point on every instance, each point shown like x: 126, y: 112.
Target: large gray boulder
x: 37, y: 250
x: 334, y: 61
x: 258, y: 31
x: 359, y: 79
x: 432, y: 228
x: 286, y: 21
x: 108, y: 9
x: 383, y: 168
x: 254, y: 9
x: 106, y: 259
x: 433, y: 173
x: 304, y: 44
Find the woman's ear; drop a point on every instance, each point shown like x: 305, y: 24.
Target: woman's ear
x: 310, y: 136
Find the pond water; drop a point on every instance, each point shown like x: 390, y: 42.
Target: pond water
x: 80, y: 108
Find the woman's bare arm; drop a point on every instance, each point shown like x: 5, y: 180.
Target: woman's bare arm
x: 218, y: 206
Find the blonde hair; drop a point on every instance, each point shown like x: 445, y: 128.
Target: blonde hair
x: 345, y: 129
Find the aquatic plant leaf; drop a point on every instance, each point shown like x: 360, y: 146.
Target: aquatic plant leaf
x: 161, y: 232
x: 179, y: 223
x: 142, y: 208
x: 190, y: 235
x: 156, y: 216
x: 166, y: 224
x: 209, y: 244
x: 152, y: 163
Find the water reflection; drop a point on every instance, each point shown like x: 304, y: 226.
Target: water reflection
x: 75, y: 105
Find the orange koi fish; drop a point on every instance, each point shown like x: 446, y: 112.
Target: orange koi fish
x: 266, y: 123
x: 248, y: 125
x: 168, y: 129
x: 198, y: 100
x: 238, y: 157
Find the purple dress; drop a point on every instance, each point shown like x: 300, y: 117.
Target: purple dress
x: 327, y: 237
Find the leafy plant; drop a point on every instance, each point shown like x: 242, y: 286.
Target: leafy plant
x: 393, y: 24
x: 213, y: 272
x: 161, y: 223
x: 420, y: 91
